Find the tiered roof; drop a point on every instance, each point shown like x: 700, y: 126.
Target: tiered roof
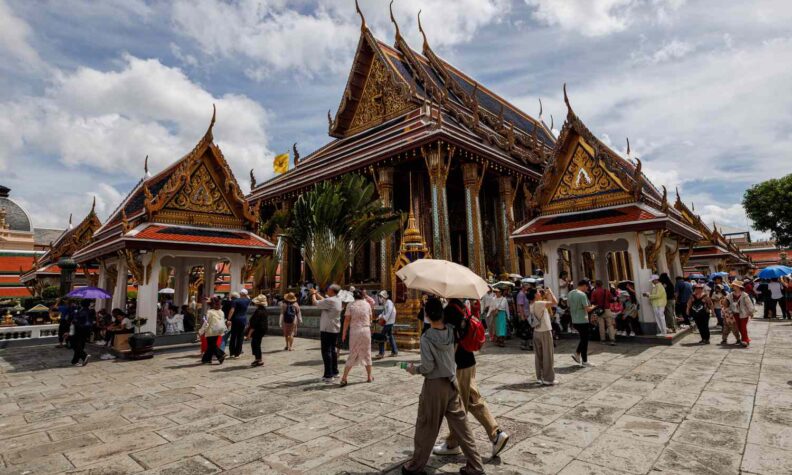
x: 588, y: 187
x: 195, y: 203
x: 69, y: 241
x: 713, y: 244
x: 397, y: 99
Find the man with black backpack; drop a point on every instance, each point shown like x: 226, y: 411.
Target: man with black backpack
x: 469, y: 337
x: 83, y: 323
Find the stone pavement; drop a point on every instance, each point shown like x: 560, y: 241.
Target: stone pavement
x: 680, y: 409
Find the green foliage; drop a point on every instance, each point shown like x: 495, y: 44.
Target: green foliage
x: 277, y: 222
x: 769, y: 205
x: 333, y: 221
x: 264, y: 272
x: 50, y: 292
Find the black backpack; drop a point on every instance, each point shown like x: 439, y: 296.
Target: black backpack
x: 290, y: 314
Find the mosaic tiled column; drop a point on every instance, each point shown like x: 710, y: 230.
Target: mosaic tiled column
x: 509, y: 253
x: 473, y: 175
x: 285, y: 251
x: 384, y: 179
x: 437, y: 166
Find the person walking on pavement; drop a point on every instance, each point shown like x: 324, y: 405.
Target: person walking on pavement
x: 670, y: 308
x: 329, y: 328
x: 257, y: 328
x: 499, y: 311
x: 213, y: 328
x: 699, y: 307
x: 717, y: 296
x: 455, y: 315
x: 579, y: 309
x: 543, y: 336
x: 387, y: 319
x: 523, y: 303
x: 357, y: 331
x: 83, y: 322
x: 237, y: 321
x: 439, y: 397
x: 682, y: 292
x: 290, y: 318
x: 741, y: 307
x: 657, y: 299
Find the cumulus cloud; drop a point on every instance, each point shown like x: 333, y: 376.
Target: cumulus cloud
x: 277, y: 37
x: 110, y: 120
x: 588, y: 17
x: 14, y: 41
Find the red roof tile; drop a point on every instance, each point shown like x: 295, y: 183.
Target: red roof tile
x: 199, y: 236
x: 588, y: 219
x: 14, y: 292
x: 13, y: 263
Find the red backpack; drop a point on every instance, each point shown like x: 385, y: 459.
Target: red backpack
x: 474, y: 338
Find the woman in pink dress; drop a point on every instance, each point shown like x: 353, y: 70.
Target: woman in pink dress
x: 357, y: 328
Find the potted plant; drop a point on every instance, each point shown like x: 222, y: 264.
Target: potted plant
x: 141, y: 343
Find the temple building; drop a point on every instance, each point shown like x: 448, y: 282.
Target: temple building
x: 183, y: 223
x: 46, y: 271
x: 596, y: 215
x: 761, y: 253
x: 20, y: 245
x: 411, y: 120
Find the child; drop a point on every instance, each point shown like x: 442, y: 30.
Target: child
x: 439, y: 396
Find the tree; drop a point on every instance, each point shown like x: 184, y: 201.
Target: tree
x: 768, y: 206
x: 333, y: 221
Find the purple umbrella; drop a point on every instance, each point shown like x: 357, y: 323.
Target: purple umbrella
x: 89, y: 293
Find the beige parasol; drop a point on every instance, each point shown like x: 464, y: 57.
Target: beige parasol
x: 443, y: 279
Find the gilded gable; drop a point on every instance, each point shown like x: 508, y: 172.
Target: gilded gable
x: 586, y: 183
x: 380, y: 100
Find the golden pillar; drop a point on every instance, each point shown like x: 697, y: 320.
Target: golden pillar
x: 384, y: 178
x: 508, y: 252
x: 473, y: 176
x: 438, y: 165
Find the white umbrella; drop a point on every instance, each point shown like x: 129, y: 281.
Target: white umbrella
x: 167, y: 290
x: 346, y: 296
x: 443, y: 279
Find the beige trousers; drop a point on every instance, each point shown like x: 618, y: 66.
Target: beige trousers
x: 440, y: 398
x: 543, y: 356
x: 473, y: 404
x: 607, y: 320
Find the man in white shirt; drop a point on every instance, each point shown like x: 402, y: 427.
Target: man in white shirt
x: 775, y: 288
x: 387, y: 319
x: 486, y: 303
x: 329, y: 328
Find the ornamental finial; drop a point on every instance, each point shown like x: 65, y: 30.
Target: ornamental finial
x: 551, y: 122
x: 420, y: 28
x: 566, y: 99
x: 296, y: 154
x: 540, y: 109
x: 252, y: 179
x: 329, y: 120
x: 363, y: 26
x: 211, y: 123
x: 628, y: 147
x: 393, y: 19
x: 677, y: 193
x: 93, y: 205
x: 145, y: 168
x: 70, y: 221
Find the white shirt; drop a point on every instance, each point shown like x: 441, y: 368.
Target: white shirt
x: 486, y: 301
x: 498, y: 304
x: 539, y: 310
x: 330, y: 319
x: 388, y: 312
x: 775, y: 290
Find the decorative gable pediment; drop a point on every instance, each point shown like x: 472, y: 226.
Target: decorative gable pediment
x: 375, y: 91
x: 586, y: 182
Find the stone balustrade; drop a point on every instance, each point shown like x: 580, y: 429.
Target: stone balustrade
x: 28, y: 332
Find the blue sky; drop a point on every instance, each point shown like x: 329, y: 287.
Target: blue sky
x: 88, y: 89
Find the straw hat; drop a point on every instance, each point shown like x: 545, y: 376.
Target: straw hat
x: 737, y: 283
x: 260, y: 300
x: 384, y: 294
x: 290, y: 297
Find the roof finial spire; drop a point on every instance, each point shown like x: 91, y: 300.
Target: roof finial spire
x: 296, y: 154
x: 420, y: 28
x: 677, y: 193
x: 540, y: 109
x: 145, y: 168
x: 363, y: 26
x: 212, y: 123
x: 566, y: 99
x: 252, y: 179
x: 93, y: 205
x: 551, y: 122
x: 628, y: 148
x: 70, y: 221
x: 393, y: 19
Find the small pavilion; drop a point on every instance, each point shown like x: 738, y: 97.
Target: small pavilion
x: 596, y: 215
x: 46, y: 270
x: 181, y: 223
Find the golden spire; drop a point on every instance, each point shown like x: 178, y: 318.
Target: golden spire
x: 93, y: 205
x: 393, y: 19
x: 412, y: 235
x: 566, y: 100
x: 363, y: 26
x: 420, y: 28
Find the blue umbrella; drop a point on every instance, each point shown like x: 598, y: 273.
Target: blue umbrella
x: 719, y: 274
x: 89, y: 293
x: 773, y: 272
x: 697, y: 276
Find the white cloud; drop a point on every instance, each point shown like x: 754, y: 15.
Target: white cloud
x: 588, y: 17
x: 109, y: 120
x: 14, y: 36
x: 670, y: 51
x: 278, y: 38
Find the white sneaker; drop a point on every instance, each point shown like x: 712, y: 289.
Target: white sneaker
x: 539, y: 381
x: 588, y: 365
x: 443, y: 449
x: 550, y: 383
x: 500, y: 443
x: 660, y: 334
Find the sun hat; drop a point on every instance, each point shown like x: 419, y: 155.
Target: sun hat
x: 383, y: 294
x: 243, y: 291
x: 290, y: 297
x: 737, y: 283
x: 234, y: 295
x: 655, y: 277
x: 260, y: 300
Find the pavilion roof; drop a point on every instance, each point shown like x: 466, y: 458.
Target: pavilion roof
x: 711, y: 237
x: 70, y: 240
x: 197, y: 191
x: 397, y: 99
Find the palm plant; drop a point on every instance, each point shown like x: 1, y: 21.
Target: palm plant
x: 332, y: 222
